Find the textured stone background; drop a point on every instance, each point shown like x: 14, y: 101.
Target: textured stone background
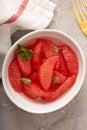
x: 71, y: 117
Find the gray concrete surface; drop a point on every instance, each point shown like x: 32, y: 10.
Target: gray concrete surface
x: 71, y: 117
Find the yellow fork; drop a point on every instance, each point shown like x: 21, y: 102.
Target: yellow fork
x: 80, y: 10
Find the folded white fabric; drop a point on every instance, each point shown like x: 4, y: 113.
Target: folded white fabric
x: 22, y: 14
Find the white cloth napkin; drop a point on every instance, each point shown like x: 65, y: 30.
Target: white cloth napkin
x: 22, y: 14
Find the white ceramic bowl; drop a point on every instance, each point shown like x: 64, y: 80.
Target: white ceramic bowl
x: 29, y: 105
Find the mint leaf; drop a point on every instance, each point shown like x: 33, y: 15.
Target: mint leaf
x: 39, y: 98
x: 26, y: 80
x: 56, y: 49
x: 24, y: 52
x: 29, y: 54
x: 55, y: 79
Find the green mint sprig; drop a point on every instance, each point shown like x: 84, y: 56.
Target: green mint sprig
x: 39, y: 98
x: 26, y: 80
x: 56, y: 49
x: 55, y: 79
x: 24, y: 52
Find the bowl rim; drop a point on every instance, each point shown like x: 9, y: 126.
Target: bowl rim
x: 21, y: 39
